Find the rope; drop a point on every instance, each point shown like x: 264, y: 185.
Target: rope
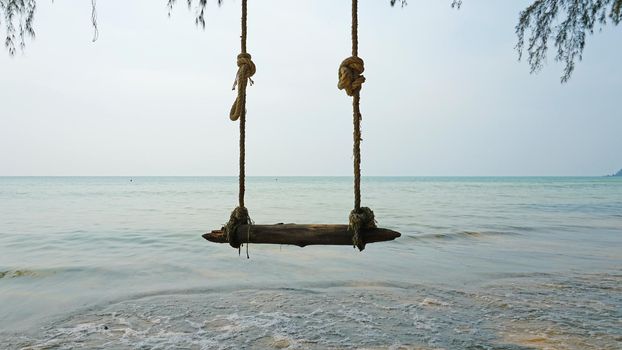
x: 351, y: 80
x: 239, y: 216
x: 246, y: 69
x: 355, y: 28
x: 360, y: 220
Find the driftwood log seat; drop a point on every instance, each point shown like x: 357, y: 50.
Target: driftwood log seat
x: 300, y: 235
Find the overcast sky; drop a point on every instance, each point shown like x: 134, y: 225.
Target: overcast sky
x: 445, y: 94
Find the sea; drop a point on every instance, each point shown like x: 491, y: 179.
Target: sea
x: 483, y: 263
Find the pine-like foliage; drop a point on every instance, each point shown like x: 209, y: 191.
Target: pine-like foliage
x: 564, y: 24
x: 17, y: 17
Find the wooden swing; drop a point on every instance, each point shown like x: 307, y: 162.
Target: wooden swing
x: 362, y: 226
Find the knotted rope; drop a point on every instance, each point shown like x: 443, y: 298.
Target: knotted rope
x: 351, y: 80
x: 361, y: 219
x: 246, y: 69
x: 238, y: 217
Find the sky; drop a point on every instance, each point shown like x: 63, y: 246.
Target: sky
x: 445, y: 94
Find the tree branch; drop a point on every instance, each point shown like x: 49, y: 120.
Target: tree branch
x: 567, y: 23
x: 200, y: 9
x: 18, y: 16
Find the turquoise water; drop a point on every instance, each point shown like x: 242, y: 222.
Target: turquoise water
x: 483, y: 263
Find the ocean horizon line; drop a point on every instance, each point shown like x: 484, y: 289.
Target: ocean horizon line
x: 304, y: 176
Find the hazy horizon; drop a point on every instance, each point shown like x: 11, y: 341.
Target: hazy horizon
x: 316, y: 176
x: 445, y: 94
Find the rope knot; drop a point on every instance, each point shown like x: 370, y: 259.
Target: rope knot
x: 360, y: 220
x: 350, y: 75
x: 246, y: 69
x: 239, y: 216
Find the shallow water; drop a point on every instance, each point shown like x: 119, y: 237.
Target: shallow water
x: 483, y: 263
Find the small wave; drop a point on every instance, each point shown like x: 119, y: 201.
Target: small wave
x: 256, y: 319
x: 61, y: 270
x: 25, y: 273
x: 461, y: 235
